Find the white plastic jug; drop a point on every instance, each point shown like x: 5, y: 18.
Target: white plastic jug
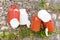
x: 24, y: 18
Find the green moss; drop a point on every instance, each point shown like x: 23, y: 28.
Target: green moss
x: 25, y: 32
x: 42, y: 4
x: 10, y: 36
x: 1, y: 35
x: 55, y: 8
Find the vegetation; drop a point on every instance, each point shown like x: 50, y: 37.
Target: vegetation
x: 42, y: 4
x: 24, y: 32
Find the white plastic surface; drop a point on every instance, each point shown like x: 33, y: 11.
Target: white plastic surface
x: 14, y: 23
x: 24, y: 18
x: 44, y: 15
x: 46, y: 31
x: 16, y: 10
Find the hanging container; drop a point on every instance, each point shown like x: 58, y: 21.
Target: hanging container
x: 46, y: 19
x: 36, y: 22
x: 14, y: 16
x: 49, y: 25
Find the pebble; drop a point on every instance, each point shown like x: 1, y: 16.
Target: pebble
x: 0, y: 14
x: 26, y: 38
x: 4, y: 28
x: 54, y: 16
x: 57, y: 23
x: 1, y: 32
x: 3, y: 18
x: 3, y: 22
x: 58, y: 16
